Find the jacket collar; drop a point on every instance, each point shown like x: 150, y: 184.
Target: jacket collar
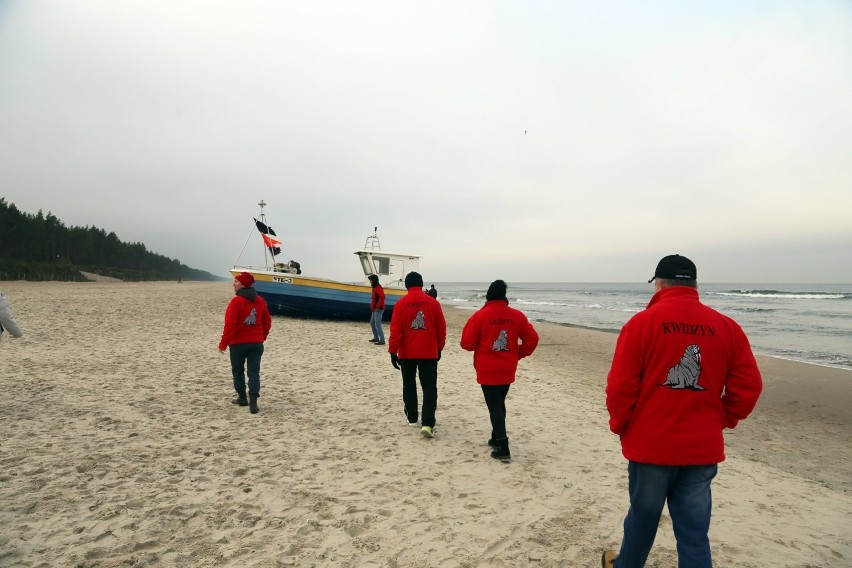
x: 674, y: 293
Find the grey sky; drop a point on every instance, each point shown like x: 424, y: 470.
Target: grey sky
x: 717, y: 130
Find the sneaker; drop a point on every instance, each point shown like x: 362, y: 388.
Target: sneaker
x: 380, y: 342
x: 374, y: 341
x: 427, y: 432
x: 607, y: 559
x: 492, y: 443
x: 415, y: 423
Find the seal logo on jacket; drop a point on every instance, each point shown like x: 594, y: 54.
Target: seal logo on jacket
x: 684, y: 375
x: 252, y: 317
x: 419, y: 321
x: 502, y: 342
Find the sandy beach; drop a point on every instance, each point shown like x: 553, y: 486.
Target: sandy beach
x: 120, y: 447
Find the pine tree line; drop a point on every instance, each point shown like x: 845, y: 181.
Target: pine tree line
x: 41, y: 247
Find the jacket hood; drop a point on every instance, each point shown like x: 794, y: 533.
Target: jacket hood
x: 249, y: 294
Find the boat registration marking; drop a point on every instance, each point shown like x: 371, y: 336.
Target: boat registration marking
x: 282, y: 279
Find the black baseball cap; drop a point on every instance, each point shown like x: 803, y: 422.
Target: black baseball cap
x: 675, y: 267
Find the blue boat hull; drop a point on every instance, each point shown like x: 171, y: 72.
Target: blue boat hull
x: 304, y: 297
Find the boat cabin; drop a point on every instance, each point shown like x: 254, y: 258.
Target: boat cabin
x: 391, y: 268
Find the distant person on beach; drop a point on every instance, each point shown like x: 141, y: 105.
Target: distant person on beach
x: 7, y: 321
x: 680, y: 374
x: 418, y: 333
x: 377, y: 308
x: 432, y: 291
x: 247, y: 325
x: 499, y: 337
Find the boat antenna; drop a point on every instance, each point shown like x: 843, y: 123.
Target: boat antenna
x: 372, y: 242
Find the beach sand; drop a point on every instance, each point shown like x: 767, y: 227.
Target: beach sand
x: 120, y: 447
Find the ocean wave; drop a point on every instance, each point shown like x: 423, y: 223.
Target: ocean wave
x: 780, y: 294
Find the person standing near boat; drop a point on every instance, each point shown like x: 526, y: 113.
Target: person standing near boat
x: 499, y: 337
x: 377, y: 308
x: 7, y: 321
x: 418, y: 333
x: 432, y: 291
x: 247, y: 325
x: 680, y: 374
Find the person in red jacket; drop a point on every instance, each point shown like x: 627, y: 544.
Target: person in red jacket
x: 499, y: 337
x: 247, y: 324
x: 377, y: 309
x: 680, y: 374
x: 418, y: 333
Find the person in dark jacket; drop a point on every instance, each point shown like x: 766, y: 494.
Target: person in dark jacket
x: 247, y: 325
x: 499, y: 337
x: 377, y: 309
x: 681, y: 373
x: 432, y: 291
x: 418, y: 333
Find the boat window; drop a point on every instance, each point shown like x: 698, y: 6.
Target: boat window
x: 382, y: 264
x: 365, y: 264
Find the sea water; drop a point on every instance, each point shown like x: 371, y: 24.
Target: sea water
x: 811, y: 323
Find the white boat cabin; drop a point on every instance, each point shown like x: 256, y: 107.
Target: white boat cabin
x: 391, y: 268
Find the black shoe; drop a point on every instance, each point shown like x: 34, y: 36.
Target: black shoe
x: 253, y: 404
x: 374, y: 341
x: 492, y: 443
x: 241, y: 400
x: 501, y: 450
x: 380, y: 342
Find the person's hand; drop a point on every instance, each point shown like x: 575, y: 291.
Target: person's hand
x: 395, y: 360
x: 222, y: 350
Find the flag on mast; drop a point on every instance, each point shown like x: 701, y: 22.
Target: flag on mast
x: 269, y: 237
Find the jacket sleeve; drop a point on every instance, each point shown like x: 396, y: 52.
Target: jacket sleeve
x: 623, y: 382
x: 442, y: 328
x: 396, y: 328
x: 470, y: 334
x: 743, y: 384
x: 230, y: 327
x: 529, y: 339
x: 266, y: 321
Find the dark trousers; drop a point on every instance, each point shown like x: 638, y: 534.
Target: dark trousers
x: 428, y: 369
x: 245, y: 358
x: 495, y: 399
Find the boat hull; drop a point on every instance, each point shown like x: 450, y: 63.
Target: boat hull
x: 316, y: 298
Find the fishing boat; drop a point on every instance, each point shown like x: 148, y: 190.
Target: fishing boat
x: 290, y: 292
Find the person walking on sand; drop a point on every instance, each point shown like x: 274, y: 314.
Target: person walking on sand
x: 680, y: 374
x: 377, y: 308
x: 432, y: 291
x: 247, y: 325
x: 499, y: 337
x: 7, y: 321
x: 418, y: 333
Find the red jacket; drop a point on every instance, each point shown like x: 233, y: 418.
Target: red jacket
x: 681, y: 373
x: 418, y: 329
x: 493, y: 334
x: 246, y: 319
x: 377, y: 298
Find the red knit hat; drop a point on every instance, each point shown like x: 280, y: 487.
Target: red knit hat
x: 245, y: 279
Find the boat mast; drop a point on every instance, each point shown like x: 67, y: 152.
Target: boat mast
x: 262, y: 218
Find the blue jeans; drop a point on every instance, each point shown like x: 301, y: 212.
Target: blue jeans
x: 687, y: 491
x: 376, y: 325
x: 245, y: 359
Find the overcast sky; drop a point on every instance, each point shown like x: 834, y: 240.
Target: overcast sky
x: 524, y: 140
